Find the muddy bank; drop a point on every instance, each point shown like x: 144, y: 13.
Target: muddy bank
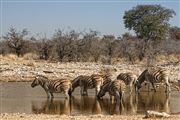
x: 26, y: 70
x: 22, y: 116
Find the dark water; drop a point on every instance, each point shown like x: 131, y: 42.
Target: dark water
x: 20, y: 97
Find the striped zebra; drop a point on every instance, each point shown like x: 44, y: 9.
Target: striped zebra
x: 154, y: 75
x: 77, y: 82
x: 128, y: 78
x: 88, y: 82
x: 115, y: 88
x: 54, y: 86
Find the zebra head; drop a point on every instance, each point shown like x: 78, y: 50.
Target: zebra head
x: 35, y: 81
x: 100, y: 94
x: 103, y: 89
x: 75, y: 82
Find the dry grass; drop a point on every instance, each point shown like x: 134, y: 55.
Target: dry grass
x: 168, y: 58
x: 13, y: 57
x: 9, y: 57
x: 160, y: 59
x: 30, y: 56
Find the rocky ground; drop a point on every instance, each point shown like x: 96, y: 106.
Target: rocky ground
x: 17, y: 116
x: 26, y: 70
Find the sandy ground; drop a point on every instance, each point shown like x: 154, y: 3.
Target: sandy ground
x: 17, y: 116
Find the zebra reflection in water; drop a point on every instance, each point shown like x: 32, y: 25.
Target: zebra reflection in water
x: 127, y: 106
x: 158, y: 101
x: 51, y: 106
x: 86, y: 105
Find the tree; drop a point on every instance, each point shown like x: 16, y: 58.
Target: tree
x: 45, y: 46
x: 16, y: 39
x: 150, y: 22
x: 107, y: 44
x: 90, y: 46
x: 65, y: 44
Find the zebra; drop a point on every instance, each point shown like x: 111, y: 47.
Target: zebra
x: 78, y: 82
x: 153, y: 75
x: 88, y: 82
x: 115, y: 88
x: 128, y: 78
x: 54, y: 86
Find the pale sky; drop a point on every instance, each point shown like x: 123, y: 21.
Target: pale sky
x: 45, y: 16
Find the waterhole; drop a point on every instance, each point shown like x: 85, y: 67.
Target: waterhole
x: 19, y: 97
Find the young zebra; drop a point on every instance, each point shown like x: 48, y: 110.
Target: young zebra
x: 115, y: 88
x: 128, y: 78
x: 155, y: 75
x: 55, y: 86
x: 88, y: 82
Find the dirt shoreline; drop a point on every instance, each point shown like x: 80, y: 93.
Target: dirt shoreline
x: 22, y: 116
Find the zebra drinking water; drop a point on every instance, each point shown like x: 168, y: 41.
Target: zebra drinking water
x: 128, y: 78
x: 115, y: 88
x: 154, y: 75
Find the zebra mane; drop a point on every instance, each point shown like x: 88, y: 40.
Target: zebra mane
x: 141, y: 78
x: 42, y: 79
x: 106, y: 83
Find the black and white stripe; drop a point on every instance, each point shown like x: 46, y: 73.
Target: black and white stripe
x: 128, y: 78
x: 154, y: 75
x: 88, y: 82
x: 54, y: 86
x: 115, y: 88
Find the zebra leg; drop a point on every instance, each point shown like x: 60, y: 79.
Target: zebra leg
x: 130, y: 88
x: 66, y: 94
x: 153, y: 86
x: 48, y: 94
x: 136, y: 88
x: 52, y: 96
x: 82, y: 91
x: 148, y: 84
x: 85, y: 92
x: 71, y: 90
x: 111, y: 100
x: 168, y: 88
x: 118, y: 97
x: 121, y: 96
x: 97, y: 90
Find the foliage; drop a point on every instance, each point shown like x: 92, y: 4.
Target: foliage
x: 149, y: 22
